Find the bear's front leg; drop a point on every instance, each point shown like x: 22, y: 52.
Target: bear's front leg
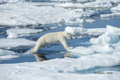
x: 70, y: 48
x: 65, y: 45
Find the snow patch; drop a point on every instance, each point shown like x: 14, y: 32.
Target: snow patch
x: 116, y: 9
x: 90, y: 20
x: 111, y: 36
x: 7, y: 55
x: 56, y: 70
x: 19, y: 32
x: 15, y: 43
x: 74, y: 30
x: 10, y: 1
x: 107, y: 43
x: 80, y: 31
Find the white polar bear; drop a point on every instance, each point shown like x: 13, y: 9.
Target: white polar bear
x: 52, y: 38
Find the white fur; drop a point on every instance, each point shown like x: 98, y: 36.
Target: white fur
x: 52, y: 38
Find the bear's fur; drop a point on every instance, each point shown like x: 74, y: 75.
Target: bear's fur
x: 52, y: 38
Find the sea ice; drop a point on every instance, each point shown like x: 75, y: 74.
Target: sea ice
x: 116, y: 9
x: 19, y: 32
x: 15, y: 43
x: 80, y: 51
x: 75, y: 30
x: 80, y: 31
x: 10, y: 1
x: 70, y: 5
x: 35, y: 15
x: 90, y: 20
x: 111, y: 36
x: 104, y: 52
x: 55, y: 69
x: 6, y: 55
x: 107, y: 43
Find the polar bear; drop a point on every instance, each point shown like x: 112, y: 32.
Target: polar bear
x: 52, y: 38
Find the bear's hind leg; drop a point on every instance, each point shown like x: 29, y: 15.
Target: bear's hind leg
x: 37, y: 47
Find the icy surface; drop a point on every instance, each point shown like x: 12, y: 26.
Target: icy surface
x: 90, y: 20
x: 116, y: 9
x: 80, y: 31
x: 111, y: 36
x: 6, y: 55
x: 5, y: 1
x: 108, y: 42
x: 10, y: 1
x: 75, y: 30
x: 55, y: 69
x: 103, y: 51
x: 14, y: 43
x: 19, y: 32
x: 35, y: 15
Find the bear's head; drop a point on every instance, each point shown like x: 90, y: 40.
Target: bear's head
x: 67, y: 35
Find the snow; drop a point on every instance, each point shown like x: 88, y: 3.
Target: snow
x: 7, y: 55
x: 55, y: 69
x: 108, y: 16
x: 96, y: 31
x: 74, y: 30
x: 19, y: 32
x: 102, y: 51
x: 82, y: 51
x: 10, y: 1
x: 111, y: 36
x: 100, y: 55
x: 5, y: 1
x: 80, y: 31
x: 71, y: 5
x: 15, y: 43
x: 99, y: 4
x: 107, y: 43
x: 116, y: 9
x: 34, y: 15
x: 90, y: 20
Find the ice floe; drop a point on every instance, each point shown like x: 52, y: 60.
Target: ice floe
x: 34, y: 15
x: 11, y: 1
x: 70, y: 5
x: 90, y: 20
x: 103, y: 52
x: 116, y: 9
x: 80, y: 31
x: 61, y: 68
x: 19, y: 32
x: 111, y: 36
x: 15, y: 43
x: 6, y: 55
x: 75, y: 30
x: 106, y: 44
x: 108, y: 16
